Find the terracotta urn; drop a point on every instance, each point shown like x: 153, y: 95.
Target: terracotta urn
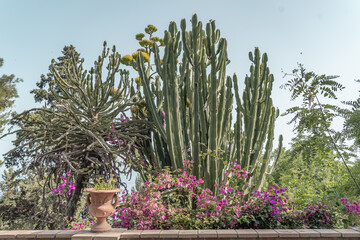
x: 101, y: 204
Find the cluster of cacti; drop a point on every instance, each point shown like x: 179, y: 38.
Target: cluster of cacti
x: 189, y: 99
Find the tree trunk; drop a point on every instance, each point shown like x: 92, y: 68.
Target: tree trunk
x: 75, y: 197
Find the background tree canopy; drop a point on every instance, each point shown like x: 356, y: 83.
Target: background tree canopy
x: 82, y: 129
x: 8, y: 93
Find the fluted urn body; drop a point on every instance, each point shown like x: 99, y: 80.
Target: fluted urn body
x: 101, y: 204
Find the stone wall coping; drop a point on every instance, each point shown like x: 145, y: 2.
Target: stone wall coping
x: 228, y: 234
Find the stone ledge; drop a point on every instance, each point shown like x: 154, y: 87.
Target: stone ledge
x: 223, y: 234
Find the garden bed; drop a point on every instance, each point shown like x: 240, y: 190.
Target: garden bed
x: 120, y: 233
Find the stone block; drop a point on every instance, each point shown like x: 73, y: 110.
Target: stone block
x: 169, y: 234
x: 227, y: 233
x: 267, y: 233
x: 287, y: 233
x: 188, y: 234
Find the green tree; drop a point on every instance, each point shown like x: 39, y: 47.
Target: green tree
x: 352, y: 121
x: 25, y: 205
x: 310, y: 172
x: 82, y: 127
x: 43, y: 93
x: 313, y: 119
x: 8, y: 93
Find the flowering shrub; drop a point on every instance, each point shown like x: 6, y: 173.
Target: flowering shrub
x: 319, y: 216
x: 353, y: 208
x: 269, y: 209
x: 177, y: 200
x: 350, y: 212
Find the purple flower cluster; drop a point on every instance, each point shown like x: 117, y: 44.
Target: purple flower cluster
x: 275, y: 197
x: 272, y: 205
x: 64, y: 185
x: 319, y: 216
x: 351, y: 208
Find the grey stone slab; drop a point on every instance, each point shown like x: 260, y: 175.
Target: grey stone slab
x: 348, y: 232
x: 150, y: 234
x: 188, y: 234
x: 83, y: 235
x: 306, y: 233
x: 9, y: 234
x: 227, y: 233
x: 209, y: 233
x: 169, y: 234
x: 66, y: 233
x: 247, y: 233
x: 287, y: 233
x: 28, y: 234
x: 267, y: 233
x: 47, y: 234
x: 131, y: 234
x: 328, y: 233
x: 113, y: 234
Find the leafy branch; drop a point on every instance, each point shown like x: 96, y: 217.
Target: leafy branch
x: 314, y: 117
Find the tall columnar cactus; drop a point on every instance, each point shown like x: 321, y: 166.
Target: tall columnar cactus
x: 190, y: 102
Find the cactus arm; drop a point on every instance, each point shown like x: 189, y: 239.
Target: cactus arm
x: 211, y: 161
x: 203, y: 100
x: 195, y: 136
x: 149, y: 100
x: 253, y: 106
x: 277, y: 155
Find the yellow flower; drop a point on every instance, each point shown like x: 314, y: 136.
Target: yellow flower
x: 142, y: 50
x: 139, y: 36
x: 137, y: 80
x: 145, y: 55
x: 127, y: 60
x: 146, y: 43
x: 155, y: 39
x: 150, y: 29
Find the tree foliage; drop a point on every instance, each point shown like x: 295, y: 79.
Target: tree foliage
x: 23, y: 204
x: 352, y: 121
x: 313, y: 118
x: 311, y: 173
x: 82, y: 127
x: 8, y: 93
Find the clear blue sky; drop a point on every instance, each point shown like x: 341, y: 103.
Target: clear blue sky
x: 324, y: 35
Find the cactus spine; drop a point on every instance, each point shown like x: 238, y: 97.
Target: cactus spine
x: 196, y: 97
